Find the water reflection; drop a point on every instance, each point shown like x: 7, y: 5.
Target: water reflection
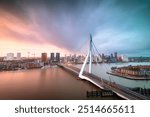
x: 53, y: 83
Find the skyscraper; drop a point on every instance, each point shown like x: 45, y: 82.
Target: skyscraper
x: 52, y: 57
x: 44, y: 57
x: 18, y: 56
x: 111, y: 56
x: 57, y: 57
x: 103, y: 56
x: 116, y: 55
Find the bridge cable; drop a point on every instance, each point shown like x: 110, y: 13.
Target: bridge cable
x: 103, y: 62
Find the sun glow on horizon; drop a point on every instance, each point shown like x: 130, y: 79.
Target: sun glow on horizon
x: 26, y: 48
x: 17, y: 36
x: 47, y: 26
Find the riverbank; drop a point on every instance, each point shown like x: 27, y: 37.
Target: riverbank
x: 127, y: 76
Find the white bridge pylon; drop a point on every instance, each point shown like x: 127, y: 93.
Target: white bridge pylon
x: 89, y: 55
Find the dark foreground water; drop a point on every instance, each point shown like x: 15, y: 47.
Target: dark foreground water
x: 53, y: 83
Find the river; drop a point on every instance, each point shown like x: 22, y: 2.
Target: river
x: 101, y: 69
x: 47, y: 84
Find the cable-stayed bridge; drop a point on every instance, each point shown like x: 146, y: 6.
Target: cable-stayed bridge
x: 120, y: 90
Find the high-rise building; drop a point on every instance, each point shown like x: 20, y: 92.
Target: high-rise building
x: 44, y: 57
x: 111, y: 55
x: 18, y: 56
x: 115, y: 55
x: 103, y: 56
x: 57, y: 57
x: 52, y: 57
x: 10, y: 56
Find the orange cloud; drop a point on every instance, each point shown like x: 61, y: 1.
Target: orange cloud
x: 19, y: 36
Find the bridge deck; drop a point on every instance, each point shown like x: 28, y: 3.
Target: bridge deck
x: 121, y: 91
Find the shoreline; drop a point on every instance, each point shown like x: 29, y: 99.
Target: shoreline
x: 40, y: 68
x: 128, y: 76
x: 19, y: 70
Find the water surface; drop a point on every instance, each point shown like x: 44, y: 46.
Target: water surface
x: 101, y: 69
x: 53, y: 83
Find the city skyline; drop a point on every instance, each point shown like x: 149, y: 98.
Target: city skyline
x: 38, y: 26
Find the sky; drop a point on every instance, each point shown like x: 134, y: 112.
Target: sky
x: 65, y: 26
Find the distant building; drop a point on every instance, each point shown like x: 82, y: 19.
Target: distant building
x: 139, y: 59
x: 65, y: 59
x: 18, y: 56
x: 111, y: 56
x: 116, y: 56
x: 44, y: 57
x: 52, y: 57
x: 103, y: 56
x: 124, y: 58
x: 97, y: 59
x: 10, y: 56
x: 57, y: 57
x: 100, y: 59
x: 1, y: 58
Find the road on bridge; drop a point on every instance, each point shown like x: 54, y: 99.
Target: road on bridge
x: 121, y: 91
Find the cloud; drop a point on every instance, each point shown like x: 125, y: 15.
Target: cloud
x: 116, y: 25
